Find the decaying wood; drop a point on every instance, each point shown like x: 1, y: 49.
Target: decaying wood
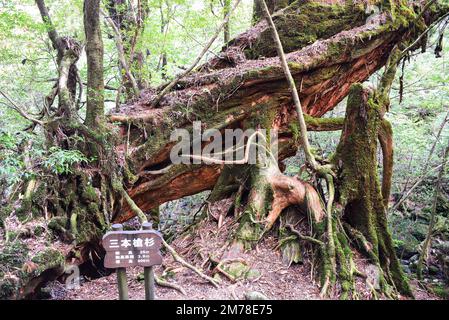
x: 225, y: 94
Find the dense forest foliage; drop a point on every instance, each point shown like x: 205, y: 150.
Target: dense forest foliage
x: 90, y: 92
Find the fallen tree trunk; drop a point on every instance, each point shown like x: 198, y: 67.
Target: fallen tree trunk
x: 235, y: 92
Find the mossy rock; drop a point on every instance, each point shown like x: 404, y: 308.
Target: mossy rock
x: 12, y: 258
x: 9, y: 286
x: 58, y: 223
x: 237, y: 270
x: 405, y: 249
x: 48, y: 259
x: 252, y: 274
x: 442, y: 227
x: 13, y: 255
x: 240, y: 271
x: 255, y: 295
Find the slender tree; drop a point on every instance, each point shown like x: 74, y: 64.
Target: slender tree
x: 94, y: 50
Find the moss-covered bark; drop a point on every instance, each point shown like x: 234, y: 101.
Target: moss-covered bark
x: 359, y: 187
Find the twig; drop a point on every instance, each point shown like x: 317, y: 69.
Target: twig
x: 291, y: 82
x: 167, y: 284
x: 168, y: 87
x: 425, y: 170
x: 19, y: 109
x: 427, y: 243
x: 303, y: 237
x: 180, y: 260
x: 131, y: 203
x: 404, y: 52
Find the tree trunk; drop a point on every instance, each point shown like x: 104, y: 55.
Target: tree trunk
x: 359, y: 187
x: 223, y: 95
x: 94, y: 51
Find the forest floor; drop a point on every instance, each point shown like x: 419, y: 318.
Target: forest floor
x: 274, y: 279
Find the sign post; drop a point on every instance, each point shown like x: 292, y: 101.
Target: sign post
x: 133, y: 248
x: 148, y: 272
x: 121, y: 273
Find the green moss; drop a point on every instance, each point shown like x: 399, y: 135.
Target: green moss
x: 58, y: 223
x: 359, y: 185
x: 48, y: 259
x: 13, y: 255
x: 89, y: 193
x: 38, y: 230
x: 9, y: 287
x: 296, y: 132
x: 237, y: 270
x: 24, y: 211
x: 311, y: 21
x: 441, y: 291
x: 5, y: 211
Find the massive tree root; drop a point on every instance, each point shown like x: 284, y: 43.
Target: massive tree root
x: 266, y: 198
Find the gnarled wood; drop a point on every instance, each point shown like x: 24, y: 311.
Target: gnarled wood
x: 224, y: 95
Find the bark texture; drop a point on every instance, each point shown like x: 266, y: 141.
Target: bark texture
x: 359, y: 187
x: 236, y: 91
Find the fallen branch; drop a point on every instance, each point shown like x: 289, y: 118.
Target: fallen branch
x: 167, y: 284
x: 142, y: 217
x: 20, y: 110
x: 180, y: 260
x: 291, y: 82
x: 303, y: 237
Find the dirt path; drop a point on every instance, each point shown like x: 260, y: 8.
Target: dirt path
x: 273, y: 278
x: 276, y: 281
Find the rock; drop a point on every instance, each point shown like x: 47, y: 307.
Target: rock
x: 406, y: 269
x: 414, y: 258
x: 442, y: 226
x: 237, y: 270
x: 406, y: 249
x: 443, y: 247
x: 24, y: 278
x: 254, y: 295
x: 12, y: 258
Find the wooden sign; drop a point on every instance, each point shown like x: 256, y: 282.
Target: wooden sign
x: 132, y: 248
